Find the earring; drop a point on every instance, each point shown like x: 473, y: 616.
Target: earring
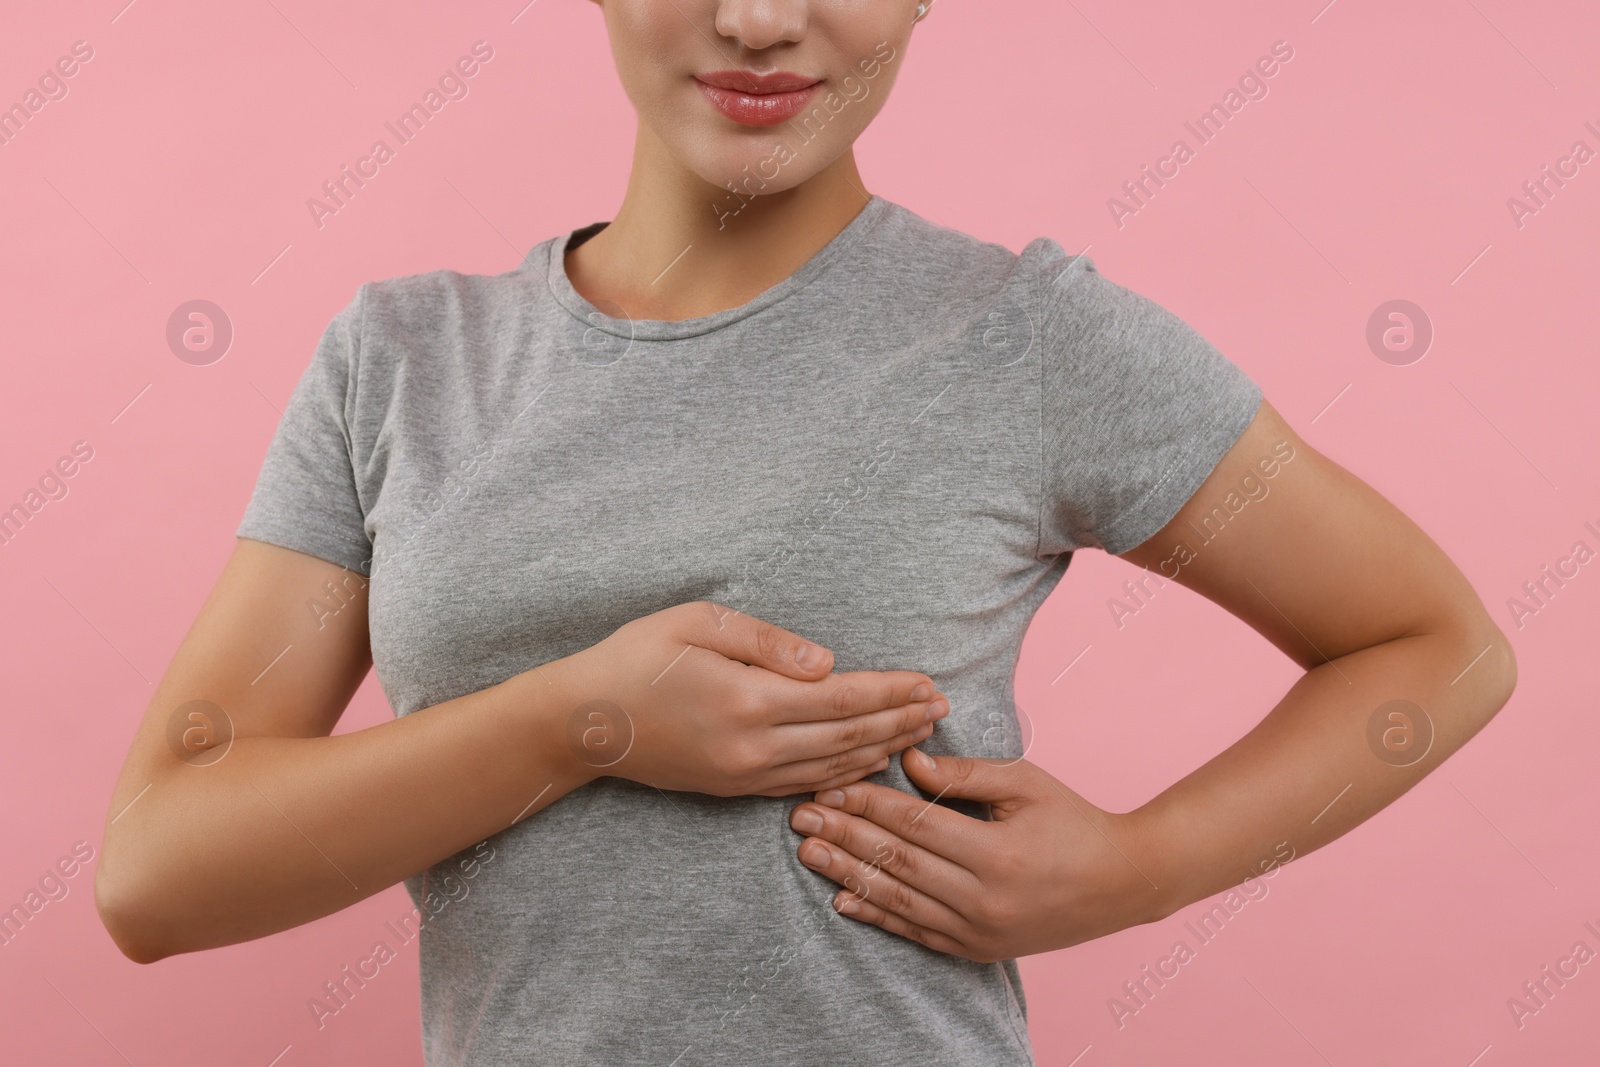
x: 923, y: 7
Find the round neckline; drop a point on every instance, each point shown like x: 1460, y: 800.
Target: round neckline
x: 664, y: 329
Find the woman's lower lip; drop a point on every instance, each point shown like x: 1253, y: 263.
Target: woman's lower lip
x: 758, y: 109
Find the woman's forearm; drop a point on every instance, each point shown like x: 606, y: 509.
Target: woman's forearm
x: 1331, y: 754
x: 281, y: 831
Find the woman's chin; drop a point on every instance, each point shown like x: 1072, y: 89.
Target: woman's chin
x: 745, y: 174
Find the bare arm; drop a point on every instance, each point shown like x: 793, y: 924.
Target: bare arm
x: 237, y: 815
x: 290, y: 824
x: 1403, y: 663
x: 1325, y: 569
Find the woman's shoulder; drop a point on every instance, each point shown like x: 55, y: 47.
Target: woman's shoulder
x: 931, y: 241
x: 441, y: 298
x: 429, y: 315
x: 960, y: 256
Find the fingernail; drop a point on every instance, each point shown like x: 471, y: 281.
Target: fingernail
x: 829, y: 798
x: 806, y: 821
x: 938, y: 709
x: 850, y: 906
x: 919, y: 757
x: 922, y: 692
x: 808, y: 655
x: 813, y: 854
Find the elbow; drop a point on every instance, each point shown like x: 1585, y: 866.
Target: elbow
x: 1487, y: 648
x: 1510, y: 670
x: 127, y: 918
x: 1505, y: 666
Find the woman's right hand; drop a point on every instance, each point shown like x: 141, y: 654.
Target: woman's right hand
x: 701, y: 698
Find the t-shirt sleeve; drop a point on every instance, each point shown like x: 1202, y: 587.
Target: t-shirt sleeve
x: 1137, y: 408
x: 305, y: 496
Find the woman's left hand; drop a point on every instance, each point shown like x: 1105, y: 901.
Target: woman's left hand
x: 1051, y: 869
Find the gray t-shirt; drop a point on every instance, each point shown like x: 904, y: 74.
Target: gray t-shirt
x: 893, y: 452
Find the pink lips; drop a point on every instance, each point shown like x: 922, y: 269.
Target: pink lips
x: 757, y: 99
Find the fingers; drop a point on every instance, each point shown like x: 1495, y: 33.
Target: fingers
x: 851, y: 693
x: 807, y: 740
x: 882, y: 879
x: 847, y: 778
x: 746, y: 639
x: 899, y: 815
x: 850, y: 764
x: 750, y: 640
x: 866, y: 911
x: 847, y: 838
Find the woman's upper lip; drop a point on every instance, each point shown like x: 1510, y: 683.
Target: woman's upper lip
x: 746, y: 81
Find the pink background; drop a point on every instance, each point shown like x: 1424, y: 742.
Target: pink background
x: 1378, y: 167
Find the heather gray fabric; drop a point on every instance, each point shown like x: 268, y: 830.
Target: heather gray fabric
x: 893, y: 452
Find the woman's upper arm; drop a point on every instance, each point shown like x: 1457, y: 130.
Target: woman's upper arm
x: 1311, y: 557
x: 279, y: 646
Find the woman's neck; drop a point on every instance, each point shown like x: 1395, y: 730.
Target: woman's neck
x: 680, y: 248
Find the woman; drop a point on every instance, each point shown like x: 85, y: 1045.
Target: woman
x: 582, y: 516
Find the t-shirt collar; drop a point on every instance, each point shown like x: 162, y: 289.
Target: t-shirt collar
x: 550, y: 256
